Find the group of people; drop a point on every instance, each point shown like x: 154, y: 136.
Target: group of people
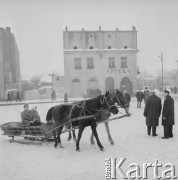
x: 16, y: 95
x: 152, y: 112
x: 30, y: 117
x: 142, y: 95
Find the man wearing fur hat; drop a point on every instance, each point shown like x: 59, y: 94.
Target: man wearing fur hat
x: 168, y: 115
x: 26, y: 116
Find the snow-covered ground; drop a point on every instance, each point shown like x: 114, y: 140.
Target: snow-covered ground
x: 44, y: 162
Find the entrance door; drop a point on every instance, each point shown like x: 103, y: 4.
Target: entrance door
x: 109, y: 84
x: 76, y: 88
x: 127, y: 85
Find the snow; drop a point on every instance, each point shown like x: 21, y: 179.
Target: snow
x: 44, y: 162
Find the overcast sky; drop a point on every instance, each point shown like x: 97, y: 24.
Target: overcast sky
x: 38, y: 28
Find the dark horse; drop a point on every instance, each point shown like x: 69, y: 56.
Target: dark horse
x: 118, y: 98
x: 63, y: 114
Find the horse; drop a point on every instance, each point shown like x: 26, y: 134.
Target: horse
x: 118, y: 98
x: 62, y: 115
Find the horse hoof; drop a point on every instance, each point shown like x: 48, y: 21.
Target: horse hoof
x: 55, y: 145
x: 69, y: 138
x: 102, y: 149
x: 112, y: 142
x: 61, y: 146
x: 78, y: 150
x: 92, y: 142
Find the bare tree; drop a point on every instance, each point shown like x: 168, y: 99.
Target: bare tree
x: 36, y: 81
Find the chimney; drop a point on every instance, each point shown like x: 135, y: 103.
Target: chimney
x: 99, y: 28
x: 66, y: 28
x: 133, y: 28
x: 8, y: 29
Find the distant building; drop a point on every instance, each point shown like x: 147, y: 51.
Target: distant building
x: 9, y: 62
x: 102, y: 60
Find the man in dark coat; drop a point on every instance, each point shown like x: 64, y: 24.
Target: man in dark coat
x: 65, y: 98
x: 146, y: 95
x: 127, y: 99
x: 152, y: 113
x: 168, y: 115
x: 139, y: 96
x: 26, y: 116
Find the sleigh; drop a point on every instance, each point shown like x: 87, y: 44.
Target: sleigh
x: 32, y: 133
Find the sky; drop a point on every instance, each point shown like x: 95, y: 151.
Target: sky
x: 38, y: 27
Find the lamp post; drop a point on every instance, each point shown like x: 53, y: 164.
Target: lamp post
x: 162, y: 77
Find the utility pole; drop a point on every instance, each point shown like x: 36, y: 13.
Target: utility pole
x: 162, y: 71
x: 52, y: 76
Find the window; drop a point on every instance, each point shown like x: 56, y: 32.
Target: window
x: 125, y: 47
x: 109, y: 47
x: 111, y: 62
x: 91, y: 47
x: 124, y: 62
x: 90, y: 63
x: 109, y: 35
x: 75, y: 47
x: 77, y: 63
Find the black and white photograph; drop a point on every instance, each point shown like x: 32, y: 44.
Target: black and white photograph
x: 88, y: 89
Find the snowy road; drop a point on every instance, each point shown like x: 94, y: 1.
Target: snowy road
x: 30, y: 162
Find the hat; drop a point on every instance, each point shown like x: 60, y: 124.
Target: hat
x: 152, y: 92
x: 166, y: 91
x: 25, y: 105
x: 34, y: 108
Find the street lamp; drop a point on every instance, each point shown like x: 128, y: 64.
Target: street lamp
x: 162, y: 69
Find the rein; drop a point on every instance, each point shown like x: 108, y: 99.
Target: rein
x: 120, y: 102
x: 105, y: 99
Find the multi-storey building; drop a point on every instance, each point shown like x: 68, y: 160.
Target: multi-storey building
x: 102, y: 60
x: 9, y: 62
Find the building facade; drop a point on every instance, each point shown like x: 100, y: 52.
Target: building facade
x: 9, y: 62
x: 100, y: 60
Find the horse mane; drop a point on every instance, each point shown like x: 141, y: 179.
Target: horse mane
x: 49, y: 114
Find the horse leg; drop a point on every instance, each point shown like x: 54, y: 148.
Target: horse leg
x: 55, y: 139
x: 108, y: 131
x: 92, y: 138
x: 58, y: 136
x: 74, y: 136
x: 70, y: 136
x: 93, y: 127
x: 81, y: 128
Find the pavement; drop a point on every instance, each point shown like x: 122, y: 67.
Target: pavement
x: 38, y: 101
x: 61, y: 100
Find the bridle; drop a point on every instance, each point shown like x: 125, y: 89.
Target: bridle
x: 104, y: 99
x: 119, y: 101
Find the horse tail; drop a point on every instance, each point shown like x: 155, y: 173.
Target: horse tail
x: 49, y: 115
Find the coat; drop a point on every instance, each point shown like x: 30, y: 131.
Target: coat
x: 146, y: 95
x: 26, y: 117
x: 152, y: 110
x: 127, y: 97
x: 35, y: 115
x: 139, y: 95
x: 168, y: 111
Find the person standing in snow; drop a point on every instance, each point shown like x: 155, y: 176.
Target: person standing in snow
x: 139, y: 96
x: 152, y: 113
x: 146, y: 95
x: 168, y: 115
